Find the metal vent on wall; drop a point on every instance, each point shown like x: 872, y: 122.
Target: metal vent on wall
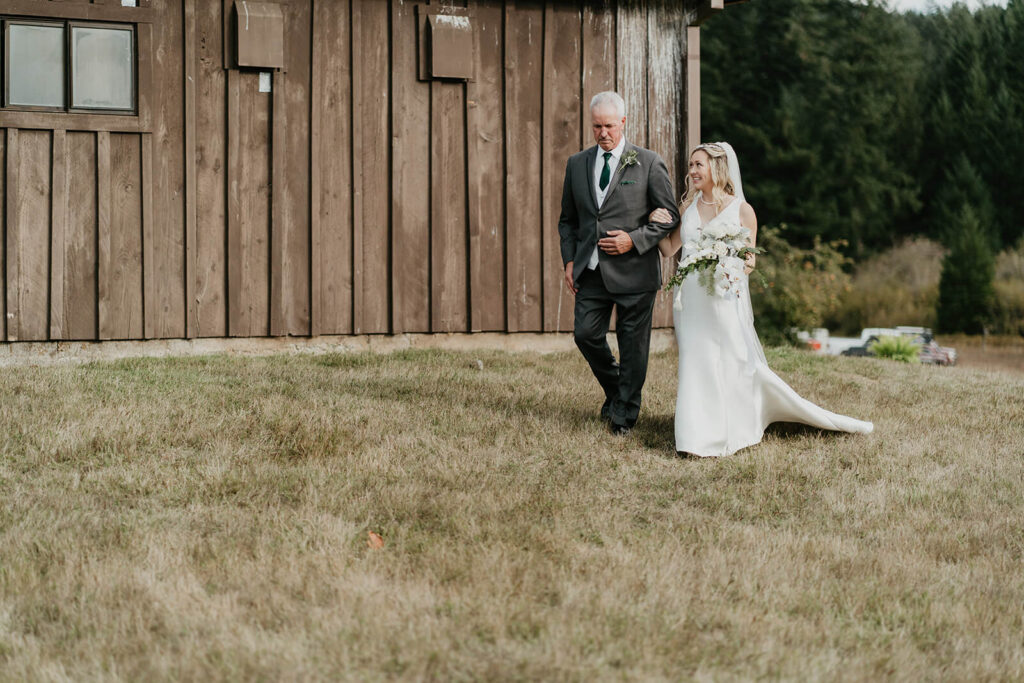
x: 259, y: 35
x: 447, y: 44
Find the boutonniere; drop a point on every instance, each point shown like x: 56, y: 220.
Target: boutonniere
x: 628, y: 159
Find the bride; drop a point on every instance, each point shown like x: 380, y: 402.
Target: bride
x: 727, y: 393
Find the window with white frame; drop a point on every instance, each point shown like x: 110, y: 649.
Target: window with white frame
x: 72, y: 66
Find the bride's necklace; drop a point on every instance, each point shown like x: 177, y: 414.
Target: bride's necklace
x: 700, y: 200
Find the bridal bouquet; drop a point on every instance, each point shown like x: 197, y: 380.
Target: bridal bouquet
x: 719, y: 255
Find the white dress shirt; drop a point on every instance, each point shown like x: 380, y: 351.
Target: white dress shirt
x: 613, y: 163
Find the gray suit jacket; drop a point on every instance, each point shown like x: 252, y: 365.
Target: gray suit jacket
x: 633, y: 193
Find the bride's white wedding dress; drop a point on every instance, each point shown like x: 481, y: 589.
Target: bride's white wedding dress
x: 727, y: 393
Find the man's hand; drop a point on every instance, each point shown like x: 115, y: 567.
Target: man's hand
x: 568, y: 278
x: 617, y: 242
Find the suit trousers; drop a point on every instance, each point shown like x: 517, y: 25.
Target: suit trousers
x: 622, y: 382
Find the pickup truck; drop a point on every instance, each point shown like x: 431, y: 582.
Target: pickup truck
x: 931, y: 352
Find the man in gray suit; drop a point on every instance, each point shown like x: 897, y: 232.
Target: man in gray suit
x: 610, y: 252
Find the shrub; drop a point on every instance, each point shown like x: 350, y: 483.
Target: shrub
x: 793, y: 287
x: 896, y: 287
x: 1008, y: 309
x: 902, y: 349
x: 901, y: 287
x: 966, y: 291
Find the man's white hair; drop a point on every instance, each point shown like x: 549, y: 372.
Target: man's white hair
x: 609, y: 97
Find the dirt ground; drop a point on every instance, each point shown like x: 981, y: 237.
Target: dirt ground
x: 993, y: 353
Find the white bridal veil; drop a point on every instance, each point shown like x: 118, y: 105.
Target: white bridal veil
x: 755, y: 353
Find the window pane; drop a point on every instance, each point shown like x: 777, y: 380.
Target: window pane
x: 35, y: 65
x: 102, y: 68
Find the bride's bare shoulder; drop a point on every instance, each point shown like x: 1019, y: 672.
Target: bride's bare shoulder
x: 747, y: 215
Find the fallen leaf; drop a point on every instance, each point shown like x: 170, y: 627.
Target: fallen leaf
x: 374, y: 540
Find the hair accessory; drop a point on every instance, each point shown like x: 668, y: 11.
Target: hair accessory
x: 713, y: 146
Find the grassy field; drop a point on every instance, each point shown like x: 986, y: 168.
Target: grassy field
x: 993, y: 353
x: 207, y: 519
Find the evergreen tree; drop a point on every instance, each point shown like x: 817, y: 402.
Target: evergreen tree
x: 964, y: 186
x: 855, y: 122
x: 818, y: 97
x: 966, y: 290
x: 976, y: 114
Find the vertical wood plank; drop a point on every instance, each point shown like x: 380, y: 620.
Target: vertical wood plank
x: 12, y: 234
x: 166, y: 304
x: 58, y: 220
x: 562, y: 133
x: 191, y: 74
x: 599, y: 63
x: 144, y: 35
x: 279, y: 227
x: 316, y: 58
x: 359, y: 181
x: 665, y: 83
x: 665, y: 93
x: 209, y: 276
x: 28, y: 234
x: 333, y: 145
x: 631, y: 66
x: 149, y: 272
x: 4, y: 221
x: 152, y: 68
x: 370, y: 163
x: 81, y: 302
x: 233, y: 208
x: 692, y: 87
x: 524, y: 31
x: 410, y: 185
x: 103, y: 240
x: 295, y: 261
x: 448, y: 208
x: 121, y: 299
x: 485, y: 117
x: 254, y: 180
x: 248, y: 207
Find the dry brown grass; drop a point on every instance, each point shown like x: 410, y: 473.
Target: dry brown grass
x: 207, y: 519
x: 995, y: 352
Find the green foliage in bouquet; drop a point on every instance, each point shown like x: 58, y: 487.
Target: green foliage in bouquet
x: 706, y: 268
x: 800, y: 288
x: 900, y: 349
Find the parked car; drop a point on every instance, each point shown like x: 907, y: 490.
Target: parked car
x: 930, y: 352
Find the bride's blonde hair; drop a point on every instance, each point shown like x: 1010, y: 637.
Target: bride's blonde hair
x: 721, y: 186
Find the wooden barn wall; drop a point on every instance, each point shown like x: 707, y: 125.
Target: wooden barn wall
x: 352, y: 199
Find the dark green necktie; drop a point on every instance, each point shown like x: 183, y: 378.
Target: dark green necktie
x: 606, y: 172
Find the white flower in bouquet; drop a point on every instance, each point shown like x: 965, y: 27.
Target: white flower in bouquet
x: 719, y: 230
x: 719, y: 255
x: 729, y: 276
x: 738, y: 243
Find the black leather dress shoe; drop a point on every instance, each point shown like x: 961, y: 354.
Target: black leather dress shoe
x: 620, y: 430
x: 606, y: 410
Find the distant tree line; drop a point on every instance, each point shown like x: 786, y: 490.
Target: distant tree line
x: 857, y: 123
